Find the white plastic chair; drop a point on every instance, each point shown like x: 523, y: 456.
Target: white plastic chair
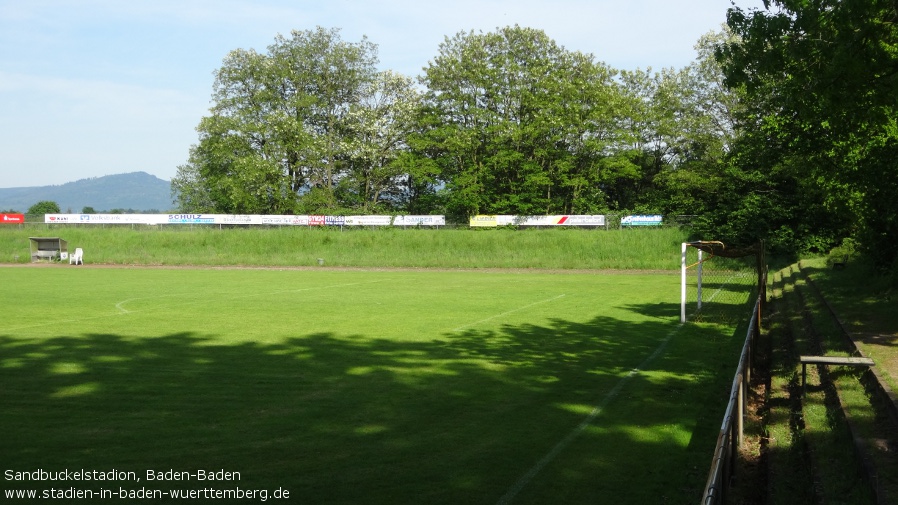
x: 76, y: 258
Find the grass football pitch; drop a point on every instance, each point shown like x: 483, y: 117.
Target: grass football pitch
x: 357, y: 386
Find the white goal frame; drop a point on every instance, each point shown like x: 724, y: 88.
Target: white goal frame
x: 714, y: 248
x: 698, y: 272
x: 683, y: 277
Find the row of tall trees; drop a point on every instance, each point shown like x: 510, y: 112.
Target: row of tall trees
x: 502, y: 122
x: 783, y: 129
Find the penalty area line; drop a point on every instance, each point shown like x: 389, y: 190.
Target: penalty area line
x: 564, y: 442
x: 120, y: 306
x: 512, y: 311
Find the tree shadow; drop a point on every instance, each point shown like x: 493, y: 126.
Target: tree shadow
x: 354, y: 419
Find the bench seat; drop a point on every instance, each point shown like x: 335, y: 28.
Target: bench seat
x: 830, y: 360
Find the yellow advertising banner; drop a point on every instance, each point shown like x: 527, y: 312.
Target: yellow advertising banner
x: 484, y: 221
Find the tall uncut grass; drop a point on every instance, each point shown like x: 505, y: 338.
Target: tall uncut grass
x: 645, y: 249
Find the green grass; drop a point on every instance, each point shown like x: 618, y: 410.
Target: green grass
x: 867, y: 306
x: 364, y: 386
x: 810, y: 449
x: 868, y: 419
x: 418, y: 248
x: 785, y: 449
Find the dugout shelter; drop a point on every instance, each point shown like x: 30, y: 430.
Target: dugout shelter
x: 48, y: 248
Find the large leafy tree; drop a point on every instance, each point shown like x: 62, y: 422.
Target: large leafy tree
x: 275, y: 141
x: 652, y: 120
x: 379, y: 165
x: 704, y: 113
x: 822, y: 78
x: 679, y: 128
x: 515, y: 123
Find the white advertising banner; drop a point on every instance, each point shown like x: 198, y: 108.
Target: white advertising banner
x: 419, y: 221
x: 191, y: 219
x: 556, y: 220
x: 562, y: 220
x: 582, y: 220
x: 237, y: 219
x: 368, y: 220
x: 106, y: 218
x: 641, y: 220
x: 246, y: 219
x: 284, y: 220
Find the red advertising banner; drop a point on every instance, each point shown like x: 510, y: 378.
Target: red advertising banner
x: 12, y: 218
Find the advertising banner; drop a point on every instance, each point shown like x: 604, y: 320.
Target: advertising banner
x: 57, y: 218
x: 641, y: 220
x: 368, y: 220
x: 581, y: 220
x: 284, y: 220
x: 236, y: 219
x: 419, y: 221
x: 556, y: 220
x: 119, y: 218
x: 106, y: 218
x: 481, y: 221
x: 191, y: 219
x: 561, y: 220
x: 242, y: 219
x: 12, y: 218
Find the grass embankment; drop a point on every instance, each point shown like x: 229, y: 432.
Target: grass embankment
x: 643, y: 249
x: 832, y: 442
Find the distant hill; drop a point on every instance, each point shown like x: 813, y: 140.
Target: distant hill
x: 137, y: 191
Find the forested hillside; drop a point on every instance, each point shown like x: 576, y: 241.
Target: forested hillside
x: 136, y: 191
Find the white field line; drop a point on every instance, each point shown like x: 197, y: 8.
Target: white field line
x: 120, y: 309
x: 512, y: 311
x: 120, y: 306
x: 720, y: 289
x: 564, y: 442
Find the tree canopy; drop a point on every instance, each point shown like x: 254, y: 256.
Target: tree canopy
x: 278, y: 126
x: 783, y: 129
x: 820, y: 80
x: 515, y: 124
x: 500, y: 122
x: 44, y: 207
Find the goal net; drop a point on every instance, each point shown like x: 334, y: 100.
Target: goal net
x: 717, y: 282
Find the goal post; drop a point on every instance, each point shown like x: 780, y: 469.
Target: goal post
x: 684, y: 278
x: 716, y: 281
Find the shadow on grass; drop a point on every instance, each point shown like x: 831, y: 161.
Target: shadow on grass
x: 352, y: 419
x: 862, y: 299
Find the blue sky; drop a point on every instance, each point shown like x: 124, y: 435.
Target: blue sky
x: 99, y: 87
